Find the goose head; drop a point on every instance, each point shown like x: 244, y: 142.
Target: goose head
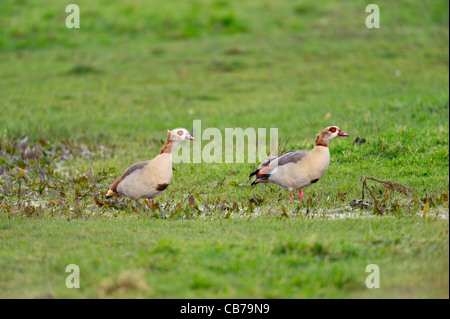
x: 179, y: 134
x: 328, y: 134
x: 331, y: 132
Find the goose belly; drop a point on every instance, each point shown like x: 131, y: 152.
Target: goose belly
x: 303, y: 174
x: 144, y: 185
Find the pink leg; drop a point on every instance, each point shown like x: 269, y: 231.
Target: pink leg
x: 300, y: 194
x: 291, y: 197
x: 150, y: 202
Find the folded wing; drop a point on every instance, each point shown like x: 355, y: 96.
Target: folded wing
x: 267, y: 168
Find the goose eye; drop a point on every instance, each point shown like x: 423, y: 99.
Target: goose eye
x: 332, y: 130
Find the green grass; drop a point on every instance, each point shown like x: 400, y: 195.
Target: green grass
x: 92, y: 101
x: 257, y: 259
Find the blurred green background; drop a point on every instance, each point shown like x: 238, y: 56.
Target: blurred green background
x: 136, y: 68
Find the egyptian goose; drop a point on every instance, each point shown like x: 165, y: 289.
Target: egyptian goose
x: 301, y: 168
x: 150, y: 178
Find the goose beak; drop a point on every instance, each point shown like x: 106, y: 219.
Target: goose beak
x: 190, y: 137
x: 342, y: 133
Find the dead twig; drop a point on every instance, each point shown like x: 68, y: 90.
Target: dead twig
x: 405, y: 190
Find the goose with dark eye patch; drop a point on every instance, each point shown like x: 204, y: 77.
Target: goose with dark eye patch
x: 150, y: 178
x: 301, y: 168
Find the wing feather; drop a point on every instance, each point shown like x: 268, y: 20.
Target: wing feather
x: 265, y: 168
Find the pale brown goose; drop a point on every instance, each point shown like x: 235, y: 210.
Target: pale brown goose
x: 150, y: 178
x: 301, y: 168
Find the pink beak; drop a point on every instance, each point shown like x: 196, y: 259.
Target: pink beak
x: 190, y: 137
x: 342, y: 133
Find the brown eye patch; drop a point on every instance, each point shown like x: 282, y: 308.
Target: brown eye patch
x: 180, y: 132
x: 332, y: 129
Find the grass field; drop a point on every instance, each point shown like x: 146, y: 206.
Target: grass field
x: 195, y: 259
x: 78, y: 106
